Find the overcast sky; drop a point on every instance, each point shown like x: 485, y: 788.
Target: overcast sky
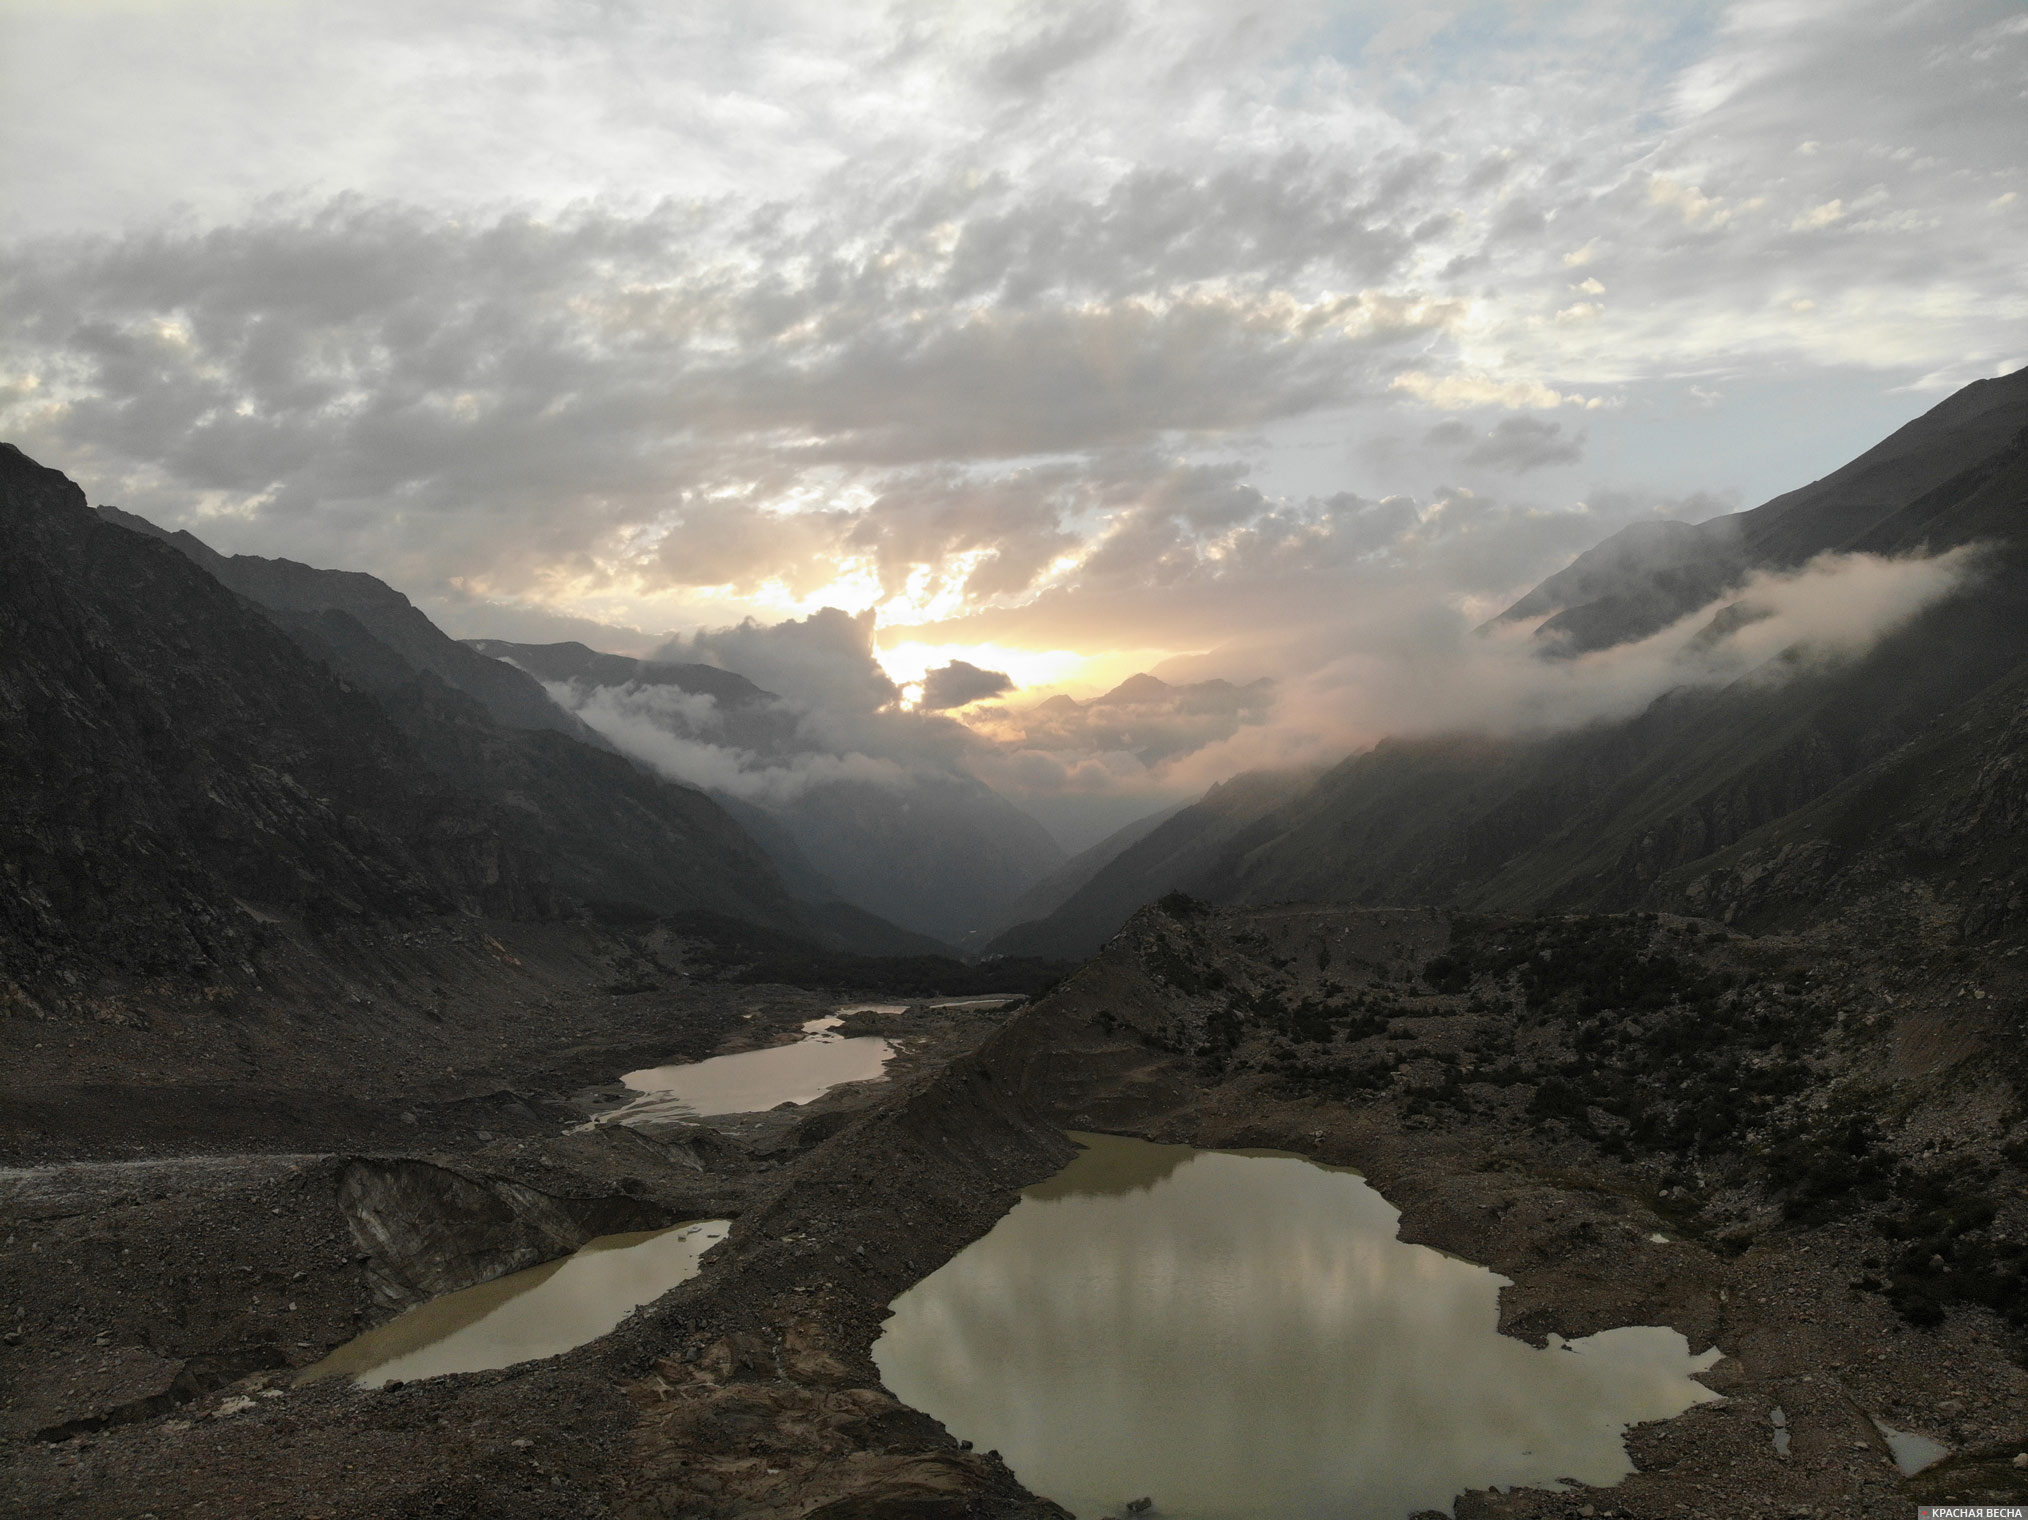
x: 1070, y: 339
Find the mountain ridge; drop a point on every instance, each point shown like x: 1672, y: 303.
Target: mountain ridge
x: 195, y: 777
x: 1643, y: 578
x: 511, y: 697
x: 1599, y: 818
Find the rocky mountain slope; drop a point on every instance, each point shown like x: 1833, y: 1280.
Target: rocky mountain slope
x: 613, y: 836
x: 1060, y: 885
x: 511, y: 697
x: 171, y: 757
x: 1149, y: 862
x: 193, y: 777
x: 1646, y: 576
x: 1601, y: 817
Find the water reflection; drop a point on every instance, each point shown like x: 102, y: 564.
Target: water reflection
x: 754, y: 1080
x: 543, y: 1311
x: 1242, y: 1335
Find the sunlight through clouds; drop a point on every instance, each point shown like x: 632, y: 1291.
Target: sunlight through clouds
x: 1062, y: 341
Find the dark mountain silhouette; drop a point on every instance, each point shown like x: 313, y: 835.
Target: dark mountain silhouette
x: 1626, y: 814
x: 186, y: 772
x: 1060, y: 885
x: 511, y: 697
x: 476, y: 719
x: 170, y: 757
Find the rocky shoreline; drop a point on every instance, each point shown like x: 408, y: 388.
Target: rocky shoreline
x: 1347, y: 1035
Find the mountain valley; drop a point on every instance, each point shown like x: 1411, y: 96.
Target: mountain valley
x: 329, y: 942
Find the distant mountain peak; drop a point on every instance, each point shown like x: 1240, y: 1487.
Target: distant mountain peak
x: 1898, y: 497
x: 1136, y: 690
x: 572, y: 661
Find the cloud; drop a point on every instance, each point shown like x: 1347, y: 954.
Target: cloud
x: 825, y: 714
x: 1067, y: 326
x: 1034, y: 59
x: 824, y: 661
x: 960, y: 683
x: 1456, y: 391
x: 1435, y: 677
x: 600, y: 405
x: 669, y: 730
x: 1145, y: 717
x: 1516, y: 444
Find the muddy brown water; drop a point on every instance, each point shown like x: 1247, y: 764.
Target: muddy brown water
x: 543, y: 1311
x: 755, y: 1080
x: 1242, y: 1336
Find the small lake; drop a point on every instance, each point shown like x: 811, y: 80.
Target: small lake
x: 754, y: 1080
x: 543, y: 1311
x: 1242, y: 1336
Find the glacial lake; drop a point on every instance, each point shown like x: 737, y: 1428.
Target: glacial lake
x: 754, y: 1080
x: 543, y: 1311
x: 1241, y: 1336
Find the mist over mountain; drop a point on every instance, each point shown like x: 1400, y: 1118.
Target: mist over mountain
x: 1599, y: 815
x: 855, y: 797
x: 1647, y: 576
x: 1144, y: 717
x: 208, y: 758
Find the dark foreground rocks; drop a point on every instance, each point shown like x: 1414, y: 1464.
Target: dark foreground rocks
x: 1564, y: 1127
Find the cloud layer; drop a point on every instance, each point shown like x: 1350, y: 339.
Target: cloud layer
x: 654, y: 318
x: 1270, y: 341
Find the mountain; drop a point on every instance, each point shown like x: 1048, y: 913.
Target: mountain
x: 1625, y: 814
x: 918, y: 842
x: 1635, y: 583
x: 1180, y: 847
x: 1646, y: 576
x: 189, y: 777
x: 1938, y: 830
x: 607, y: 833
x: 174, y: 770
x: 941, y: 855
x: 511, y: 697
x: 1060, y: 885
x: 613, y: 835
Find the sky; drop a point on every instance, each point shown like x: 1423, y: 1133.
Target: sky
x: 1062, y: 341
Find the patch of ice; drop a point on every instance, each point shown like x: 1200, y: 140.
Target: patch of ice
x: 1912, y: 1453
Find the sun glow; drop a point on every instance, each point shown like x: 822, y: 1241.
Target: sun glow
x: 1036, y: 673
x: 908, y: 663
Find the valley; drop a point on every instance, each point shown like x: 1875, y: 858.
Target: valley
x: 343, y: 971
x: 1706, y: 1180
